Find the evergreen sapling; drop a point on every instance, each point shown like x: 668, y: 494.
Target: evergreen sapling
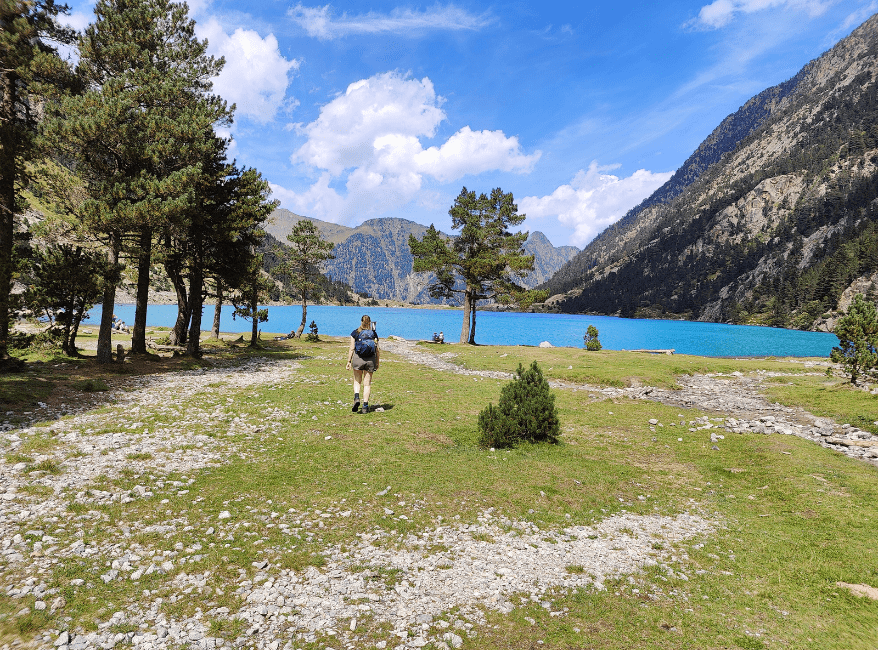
x: 526, y: 412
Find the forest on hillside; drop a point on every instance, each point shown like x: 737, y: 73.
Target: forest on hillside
x: 765, y: 278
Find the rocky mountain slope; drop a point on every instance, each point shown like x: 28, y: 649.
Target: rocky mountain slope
x: 375, y: 260
x: 769, y: 221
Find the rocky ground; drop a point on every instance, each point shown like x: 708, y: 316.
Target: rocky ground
x: 493, y: 564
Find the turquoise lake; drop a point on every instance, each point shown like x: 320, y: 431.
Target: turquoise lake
x: 505, y: 328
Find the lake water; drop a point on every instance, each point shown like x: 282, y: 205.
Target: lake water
x: 506, y: 328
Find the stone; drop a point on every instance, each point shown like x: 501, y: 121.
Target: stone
x: 63, y: 638
x: 864, y: 591
x: 544, y: 344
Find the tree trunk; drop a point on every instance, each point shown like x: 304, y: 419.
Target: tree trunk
x: 138, y: 332
x: 472, y: 329
x: 105, y: 333
x: 65, y: 345
x: 467, y: 308
x: 217, y: 312
x: 254, y: 309
x: 74, y: 330
x: 8, y: 151
x: 196, y: 303
x: 304, y: 316
x: 178, y: 334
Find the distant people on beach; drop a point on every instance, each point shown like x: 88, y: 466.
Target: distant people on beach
x: 119, y: 325
x: 438, y: 338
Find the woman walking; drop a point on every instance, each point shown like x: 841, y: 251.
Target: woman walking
x: 364, y: 358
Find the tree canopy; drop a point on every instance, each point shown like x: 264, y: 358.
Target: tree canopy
x: 139, y: 132
x: 300, y: 264
x: 857, y: 333
x: 29, y: 65
x: 483, y: 262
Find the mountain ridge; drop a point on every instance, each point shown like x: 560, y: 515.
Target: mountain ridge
x: 758, y: 234
x: 375, y: 260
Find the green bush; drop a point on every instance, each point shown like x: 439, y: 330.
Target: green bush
x: 526, y: 412
x: 312, y: 335
x: 857, y: 333
x: 591, y: 339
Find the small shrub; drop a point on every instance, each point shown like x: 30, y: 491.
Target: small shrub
x: 312, y: 333
x: 526, y: 412
x: 591, y: 339
x: 91, y: 385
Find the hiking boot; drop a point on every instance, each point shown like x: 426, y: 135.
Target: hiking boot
x: 365, y: 409
x: 356, y: 407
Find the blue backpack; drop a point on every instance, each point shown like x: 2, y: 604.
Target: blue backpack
x: 366, y: 344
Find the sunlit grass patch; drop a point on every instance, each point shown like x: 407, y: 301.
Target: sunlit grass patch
x: 832, y: 398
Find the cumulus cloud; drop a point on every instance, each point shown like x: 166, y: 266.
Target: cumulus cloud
x: 256, y: 74
x: 370, y: 138
x: 319, y: 22
x: 593, y: 200
x: 721, y: 12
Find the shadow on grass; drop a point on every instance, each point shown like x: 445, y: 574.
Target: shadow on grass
x: 50, y: 378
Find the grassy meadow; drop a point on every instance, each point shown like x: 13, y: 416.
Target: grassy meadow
x: 792, y: 518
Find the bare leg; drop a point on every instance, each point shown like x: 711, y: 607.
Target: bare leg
x: 367, y: 385
x: 358, y: 378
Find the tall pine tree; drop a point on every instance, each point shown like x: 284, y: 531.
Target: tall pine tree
x: 139, y: 132
x: 483, y: 262
x: 27, y: 62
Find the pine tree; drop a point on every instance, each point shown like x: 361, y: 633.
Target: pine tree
x: 857, y: 333
x: 483, y: 262
x: 28, y: 66
x: 301, y: 261
x: 592, y: 343
x: 526, y: 412
x: 138, y: 132
x: 65, y: 281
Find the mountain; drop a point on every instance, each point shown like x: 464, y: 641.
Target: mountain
x: 374, y: 258
x: 769, y: 221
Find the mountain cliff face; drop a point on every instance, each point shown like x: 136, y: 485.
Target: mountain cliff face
x: 374, y: 258
x: 769, y: 221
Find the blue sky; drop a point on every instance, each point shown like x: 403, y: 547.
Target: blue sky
x: 581, y: 109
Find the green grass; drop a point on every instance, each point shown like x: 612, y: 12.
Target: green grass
x: 608, y: 368
x: 90, y: 385
x: 793, y: 517
x: 829, y: 397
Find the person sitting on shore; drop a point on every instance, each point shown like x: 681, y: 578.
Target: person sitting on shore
x: 435, y: 337
x: 441, y: 337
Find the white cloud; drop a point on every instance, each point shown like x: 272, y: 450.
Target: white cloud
x: 469, y: 149
x: 721, y: 12
x: 370, y: 137
x: 344, y: 134
x: 593, y: 200
x: 318, y: 22
x: 256, y: 74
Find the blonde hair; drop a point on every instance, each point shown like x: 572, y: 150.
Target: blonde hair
x: 365, y: 323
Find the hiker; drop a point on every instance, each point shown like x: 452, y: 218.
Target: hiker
x: 363, y: 357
